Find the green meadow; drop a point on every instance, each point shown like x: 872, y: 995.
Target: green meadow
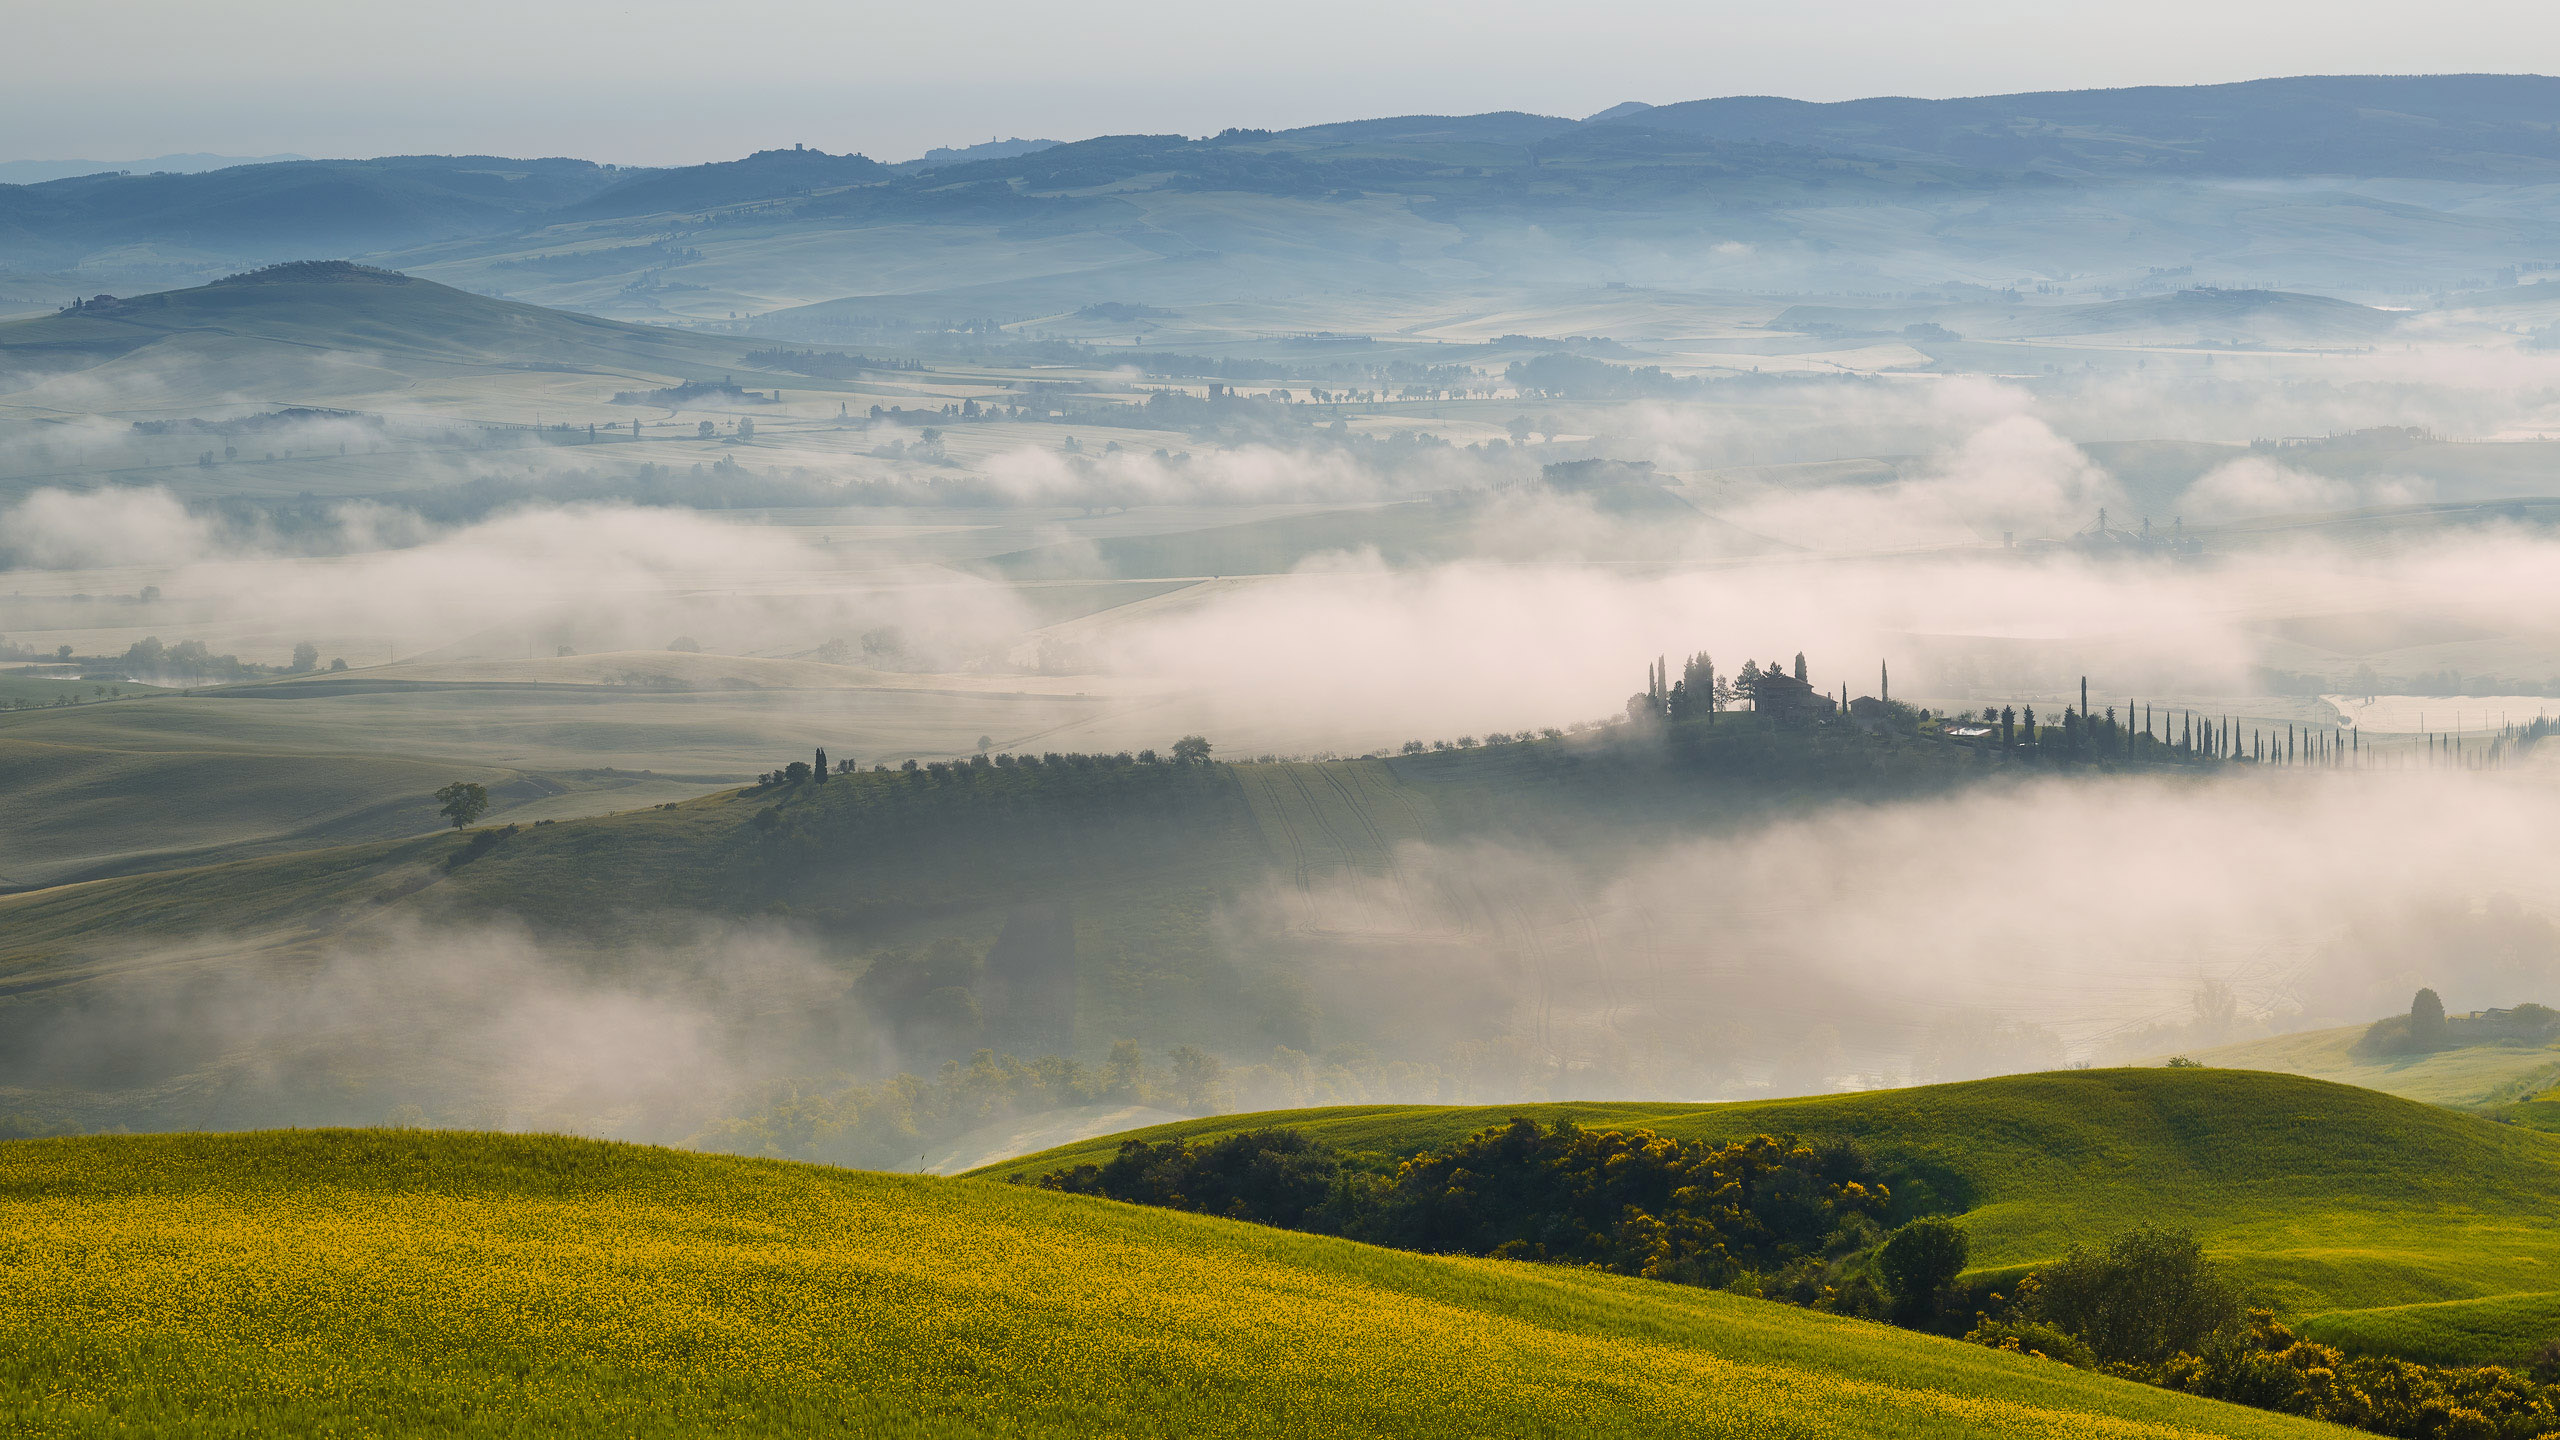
x: 345, y: 1282
x: 2374, y: 1221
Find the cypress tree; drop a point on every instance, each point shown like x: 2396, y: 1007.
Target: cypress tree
x: 2426, y: 1021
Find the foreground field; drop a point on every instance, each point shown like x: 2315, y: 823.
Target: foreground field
x: 2380, y: 1223
x: 408, y: 1282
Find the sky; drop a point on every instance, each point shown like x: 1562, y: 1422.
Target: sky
x: 675, y: 81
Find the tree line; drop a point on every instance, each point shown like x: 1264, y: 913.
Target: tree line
x: 1805, y: 1222
x: 1768, y: 1215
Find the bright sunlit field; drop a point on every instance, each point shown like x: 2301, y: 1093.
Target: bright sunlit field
x: 373, y: 1281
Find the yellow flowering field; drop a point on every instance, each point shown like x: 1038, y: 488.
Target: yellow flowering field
x: 417, y: 1282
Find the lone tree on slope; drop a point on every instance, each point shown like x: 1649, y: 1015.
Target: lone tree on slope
x: 2426, y: 1022
x: 464, y: 801
x: 1919, y: 1260
x: 1191, y: 750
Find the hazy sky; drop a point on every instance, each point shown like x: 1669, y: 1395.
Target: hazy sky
x: 654, y: 81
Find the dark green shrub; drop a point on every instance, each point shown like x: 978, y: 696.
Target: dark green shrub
x: 2149, y: 1294
x: 1917, y: 1262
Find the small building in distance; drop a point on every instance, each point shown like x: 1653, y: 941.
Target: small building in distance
x: 2110, y: 540
x: 1781, y: 696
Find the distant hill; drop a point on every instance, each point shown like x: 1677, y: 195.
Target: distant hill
x: 387, y: 1281
x: 1630, y: 186
x: 766, y: 174
x: 2383, y: 1223
x: 36, y: 172
x: 2250, y: 316
x: 942, y: 155
x: 2472, y: 127
x: 2190, y: 316
x: 288, y: 314
x: 299, y: 207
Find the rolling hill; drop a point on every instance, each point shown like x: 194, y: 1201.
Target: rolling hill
x: 1366, y: 224
x: 2462, y: 1075
x: 98, y: 790
x: 2474, y: 127
x: 973, y: 841
x: 1152, y: 866
x: 301, y: 312
x: 404, y: 1281
x: 2380, y: 1223
x: 296, y: 207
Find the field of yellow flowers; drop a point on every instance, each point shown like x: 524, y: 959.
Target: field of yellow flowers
x: 415, y: 1282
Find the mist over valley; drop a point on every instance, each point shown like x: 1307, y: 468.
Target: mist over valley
x: 1974, y: 672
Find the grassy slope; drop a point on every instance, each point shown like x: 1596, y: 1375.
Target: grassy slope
x: 2335, y: 1203
x: 2463, y: 1075
x: 877, y: 853
x: 403, y: 1281
x: 156, y: 784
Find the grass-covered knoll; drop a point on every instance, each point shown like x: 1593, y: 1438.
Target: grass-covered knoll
x: 406, y: 1281
x: 386, y: 316
x: 2472, y: 1074
x: 160, y: 783
x: 2324, y: 1199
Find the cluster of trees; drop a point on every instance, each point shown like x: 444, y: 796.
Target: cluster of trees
x: 1492, y: 737
x: 1770, y: 1215
x: 2427, y: 1028
x: 65, y: 697
x: 1787, y: 1220
x: 1189, y: 750
x: 826, y: 364
x: 1562, y: 375
x: 2266, y: 1365
x: 189, y: 659
x: 722, y: 391
x: 2150, y: 736
x: 2150, y: 1305
x: 1700, y: 693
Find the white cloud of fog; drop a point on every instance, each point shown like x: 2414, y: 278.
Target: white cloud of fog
x: 2013, y: 475
x: 1379, y: 655
x: 597, y: 577
x: 476, y: 1025
x: 2256, y: 485
x: 1937, y: 939
x: 1245, y: 474
x: 117, y: 526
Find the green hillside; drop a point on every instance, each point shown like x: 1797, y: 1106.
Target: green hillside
x: 2480, y: 1074
x: 108, y: 789
x: 961, y: 845
x: 1147, y: 867
x: 407, y: 1281
x: 2376, y: 1220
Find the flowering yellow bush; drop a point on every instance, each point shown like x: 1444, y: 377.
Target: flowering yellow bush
x: 402, y: 1282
